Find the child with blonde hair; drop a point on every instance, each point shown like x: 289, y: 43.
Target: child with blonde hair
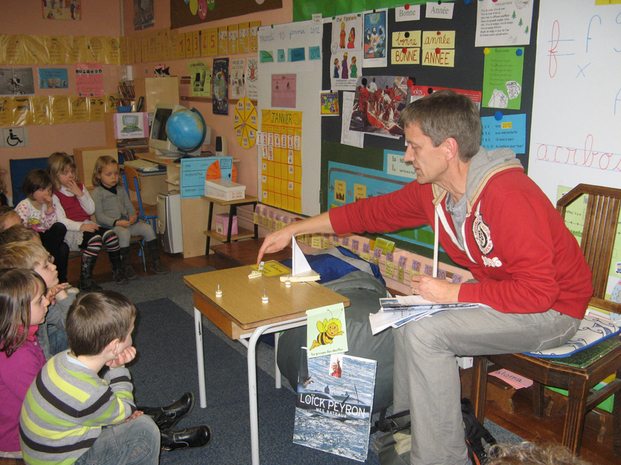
x: 19, y: 233
x: 114, y: 209
x: 32, y: 256
x: 74, y: 207
x: 8, y: 217
x: 37, y: 212
x: 24, y: 303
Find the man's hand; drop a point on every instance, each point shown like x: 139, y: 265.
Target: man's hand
x: 74, y: 188
x: 274, y: 242
x: 89, y: 227
x: 435, y: 289
x: 124, y: 357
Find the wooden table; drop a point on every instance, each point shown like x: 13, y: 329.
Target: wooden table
x: 242, y: 315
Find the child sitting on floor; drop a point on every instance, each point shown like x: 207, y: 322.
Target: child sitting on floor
x: 114, y: 209
x: 33, y: 256
x: 8, y: 217
x: 24, y: 304
x: 37, y: 212
x: 68, y: 396
x: 74, y: 207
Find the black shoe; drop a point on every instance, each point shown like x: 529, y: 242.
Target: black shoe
x: 199, y: 436
x: 167, y: 417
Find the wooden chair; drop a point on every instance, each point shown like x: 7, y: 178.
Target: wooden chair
x: 139, y: 240
x: 132, y: 182
x: 598, y: 236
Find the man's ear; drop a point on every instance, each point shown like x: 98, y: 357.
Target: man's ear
x: 451, y: 147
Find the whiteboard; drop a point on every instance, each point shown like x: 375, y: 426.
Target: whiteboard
x: 576, y: 122
x: 285, y: 37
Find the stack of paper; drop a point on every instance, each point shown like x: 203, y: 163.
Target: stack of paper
x: 397, y: 311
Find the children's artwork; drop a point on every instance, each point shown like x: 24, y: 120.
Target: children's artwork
x: 237, y: 78
x: 16, y: 81
x: 62, y: 9
x: 284, y: 90
x: 502, y: 77
x: 221, y: 86
x: 53, y: 78
x: 143, y: 14
x: 375, y: 34
x: 378, y: 103
x: 333, y: 405
x: 325, y: 330
x: 251, y: 76
x: 347, y: 51
x: 200, y: 76
x: 329, y: 104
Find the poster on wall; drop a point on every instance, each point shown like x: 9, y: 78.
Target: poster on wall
x: 187, y: 13
x: 143, y: 14
x: 59, y: 9
x: 346, y: 48
x: 53, y: 78
x: 89, y: 80
x: 221, y: 86
x: 375, y: 34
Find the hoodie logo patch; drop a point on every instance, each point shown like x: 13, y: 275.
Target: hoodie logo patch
x: 482, y: 235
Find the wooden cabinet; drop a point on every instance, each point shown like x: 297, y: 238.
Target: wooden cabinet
x: 156, y: 90
x: 85, y: 158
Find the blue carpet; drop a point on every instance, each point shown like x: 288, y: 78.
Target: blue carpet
x: 166, y: 368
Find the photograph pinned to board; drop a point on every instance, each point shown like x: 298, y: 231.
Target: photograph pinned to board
x: 375, y: 38
x: 347, y: 51
x: 333, y: 413
x: 378, y: 103
x: 221, y: 86
x: 329, y: 103
x: 16, y: 81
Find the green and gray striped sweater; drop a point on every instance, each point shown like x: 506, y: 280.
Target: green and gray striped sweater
x: 67, y: 405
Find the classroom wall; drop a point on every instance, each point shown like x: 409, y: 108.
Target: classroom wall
x: 25, y: 17
x: 105, y: 19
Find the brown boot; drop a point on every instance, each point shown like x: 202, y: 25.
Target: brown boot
x: 154, y: 258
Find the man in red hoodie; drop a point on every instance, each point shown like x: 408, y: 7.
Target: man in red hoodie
x: 532, y: 281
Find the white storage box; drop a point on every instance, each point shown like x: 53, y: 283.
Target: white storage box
x: 223, y: 189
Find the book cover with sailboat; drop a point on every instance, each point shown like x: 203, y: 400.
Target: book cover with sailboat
x: 334, y: 403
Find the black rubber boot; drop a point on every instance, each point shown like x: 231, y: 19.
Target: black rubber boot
x: 167, y: 417
x: 117, y: 269
x: 126, y: 264
x: 86, y: 283
x: 198, y: 436
x: 154, y: 258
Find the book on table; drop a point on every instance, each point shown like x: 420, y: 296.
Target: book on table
x: 334, y: 402
x: 396, y: 311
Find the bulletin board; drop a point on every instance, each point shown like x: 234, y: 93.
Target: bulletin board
x: 466, y: 74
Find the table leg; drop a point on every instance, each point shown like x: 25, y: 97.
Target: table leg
x: 252, y: 393
x: 198, y: 326
x: 277, y: 375
x: 209, y: 227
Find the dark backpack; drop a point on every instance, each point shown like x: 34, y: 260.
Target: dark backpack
x: 393, y: 447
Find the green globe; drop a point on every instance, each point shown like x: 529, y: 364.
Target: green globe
x: 186, y: 129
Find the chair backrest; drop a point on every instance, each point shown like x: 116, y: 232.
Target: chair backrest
x: 132, y: 178
x: 601, y: 219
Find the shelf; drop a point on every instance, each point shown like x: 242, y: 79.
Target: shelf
x: 243, y: 234
x: 245, y: 201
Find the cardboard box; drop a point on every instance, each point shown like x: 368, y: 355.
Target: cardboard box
x: 222, y: 224
x: 223, y: 189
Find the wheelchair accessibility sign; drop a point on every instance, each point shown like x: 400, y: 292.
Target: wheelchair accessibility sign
x: 14, y: 137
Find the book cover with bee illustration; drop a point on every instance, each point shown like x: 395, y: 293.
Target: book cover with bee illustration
x: 325, y: 330
x: 334, y: 403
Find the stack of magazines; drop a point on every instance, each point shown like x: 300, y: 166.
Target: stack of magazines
x: 397, y: 311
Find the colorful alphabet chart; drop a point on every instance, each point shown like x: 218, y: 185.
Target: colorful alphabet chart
x: 281, y: 159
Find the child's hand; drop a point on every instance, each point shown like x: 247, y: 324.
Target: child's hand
x: 133, y: 218
x: 49, y: 203
x: 134, y: 415
x: 122, y: 223
x: 124, y: 357
x: 89, y: 227
x: 74, y: 188
x: 57, y: 292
